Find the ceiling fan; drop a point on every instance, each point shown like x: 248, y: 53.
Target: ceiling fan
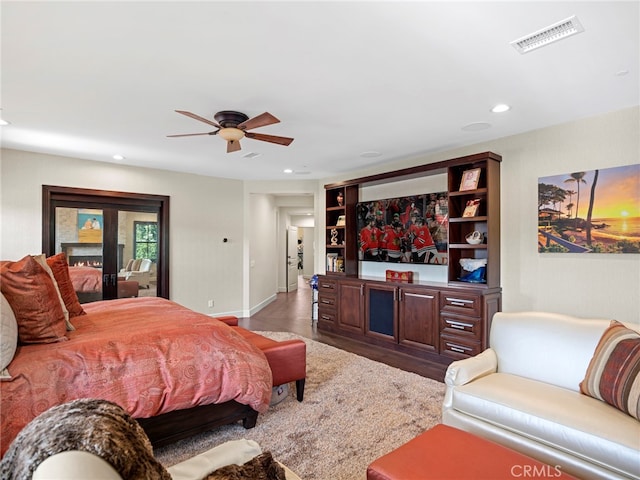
x: 232, y: 126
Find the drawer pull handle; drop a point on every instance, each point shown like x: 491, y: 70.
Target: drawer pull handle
x: 328, y: 302
x: 459, y: 302
x: 326, y: 317
x: 459, y: 325
x: 457, y: 348
x: 327, y: 285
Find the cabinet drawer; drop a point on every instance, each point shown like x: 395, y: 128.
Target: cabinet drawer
x: 325, y: 285
x: 454, y: 325
x: 326, y: 315
x: 465, y: 303
x: 458, y: 347
x: 325, y: 300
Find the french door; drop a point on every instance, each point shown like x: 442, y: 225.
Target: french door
x: 116, y: 243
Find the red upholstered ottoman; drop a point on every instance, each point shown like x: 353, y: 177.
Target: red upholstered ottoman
x: 445, y: 452
x: 287, y: 359
x: 127, y: 288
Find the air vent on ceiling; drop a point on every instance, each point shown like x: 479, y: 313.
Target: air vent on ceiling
x: 251, y: 155
x: 547, y: 35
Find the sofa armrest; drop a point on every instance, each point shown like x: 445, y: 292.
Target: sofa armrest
x: 467, y: 370
x: 464, y: 371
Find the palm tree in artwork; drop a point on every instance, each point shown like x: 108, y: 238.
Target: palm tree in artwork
x: 578, y: 178
x: 571, y: 193
x: 569, y: 208
x: 590, y: 210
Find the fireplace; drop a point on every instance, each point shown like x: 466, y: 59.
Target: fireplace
x: 87, y: 254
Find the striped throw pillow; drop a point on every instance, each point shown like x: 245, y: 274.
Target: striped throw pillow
x: 613, y: 375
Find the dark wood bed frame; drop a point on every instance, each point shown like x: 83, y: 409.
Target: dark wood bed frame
x: 170, y: 427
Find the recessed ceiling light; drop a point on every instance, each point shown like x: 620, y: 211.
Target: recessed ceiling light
x: 118, y: 157
x: 476, y: 126
x: 370, y: 154
x: 501, y: 108
x: 622, y: 73
x: 287, y: 170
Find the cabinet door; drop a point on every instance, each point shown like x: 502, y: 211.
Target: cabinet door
x: 418, y: 318
x: 381, y: 311
x: 351, y: 316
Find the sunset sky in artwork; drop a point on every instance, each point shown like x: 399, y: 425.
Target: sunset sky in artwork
x: 617, y: 191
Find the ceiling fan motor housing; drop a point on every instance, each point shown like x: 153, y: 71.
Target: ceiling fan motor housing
x: 230, y: 118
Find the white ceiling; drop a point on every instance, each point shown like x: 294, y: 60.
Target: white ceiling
x: 91, y: 79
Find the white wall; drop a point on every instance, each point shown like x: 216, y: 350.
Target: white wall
x: 203, y: 211
x: 263, y: 241
x: 589, y: 285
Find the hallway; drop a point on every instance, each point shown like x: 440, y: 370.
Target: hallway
x: 291, y: 312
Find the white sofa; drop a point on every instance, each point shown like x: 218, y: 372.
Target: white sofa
x: 80, y: 465
x: 523, y: 392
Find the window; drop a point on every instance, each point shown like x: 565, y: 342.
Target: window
x: 145, y: 244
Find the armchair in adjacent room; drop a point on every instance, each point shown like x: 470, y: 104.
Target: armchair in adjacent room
x: 138, y: 270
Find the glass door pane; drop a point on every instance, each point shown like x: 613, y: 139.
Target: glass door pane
x: 79, y: 235
x: 138, y: 242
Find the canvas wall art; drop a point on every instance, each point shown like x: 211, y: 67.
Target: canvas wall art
x: 412, y: 229
x: 596, y: 211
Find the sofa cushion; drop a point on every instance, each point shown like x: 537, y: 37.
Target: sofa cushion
x: 8, y: 335
x: 613, y: 375
x: 559, y: 418
x: 34, y: 301
x: 542, y: 346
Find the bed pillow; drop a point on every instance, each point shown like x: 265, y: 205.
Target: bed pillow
x: 8, y: 336
x: 34, y: 301
x: 41, y: 259
x: 613, y: 375
x: 60, y: 268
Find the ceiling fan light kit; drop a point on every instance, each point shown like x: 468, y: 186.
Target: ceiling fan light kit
x: 232, y: 126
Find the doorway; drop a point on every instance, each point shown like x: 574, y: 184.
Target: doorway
x: 292, y: 259
x: 116, y: 243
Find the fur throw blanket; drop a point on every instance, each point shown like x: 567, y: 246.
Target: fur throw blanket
x: 262, y: 467
x: 95, y: 426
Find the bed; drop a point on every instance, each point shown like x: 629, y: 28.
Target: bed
x: 177, y: 371
x: 87, y: 283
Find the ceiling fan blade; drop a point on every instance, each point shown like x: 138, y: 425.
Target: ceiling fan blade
x: 269, y: 138
x: 193, y: 134
x: 233, y: 146
x: 260, y: 121
x: 198, y: 117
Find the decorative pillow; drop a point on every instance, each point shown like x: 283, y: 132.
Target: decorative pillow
x: 613, y: 375
x: 41, y: 259
x: 135, y: 266
x: 8, y: 336
x: 60, y: 268
x: 34, y: 301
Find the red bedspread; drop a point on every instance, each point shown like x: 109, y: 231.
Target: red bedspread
x: 86, y: 279
x: 149, y: 355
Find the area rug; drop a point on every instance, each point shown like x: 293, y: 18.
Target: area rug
x: 354, y: 411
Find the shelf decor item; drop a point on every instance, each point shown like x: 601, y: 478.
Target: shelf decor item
x: 341, y: 221
x: 395, y: 276
x: 471, y: 209
x: 473, y: 270
x: 470, y: 179
x: 475, y: 238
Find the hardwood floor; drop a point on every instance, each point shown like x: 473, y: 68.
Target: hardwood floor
x: 291, y: 312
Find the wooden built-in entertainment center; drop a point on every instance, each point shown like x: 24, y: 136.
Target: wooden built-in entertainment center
x: 435, y: 321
